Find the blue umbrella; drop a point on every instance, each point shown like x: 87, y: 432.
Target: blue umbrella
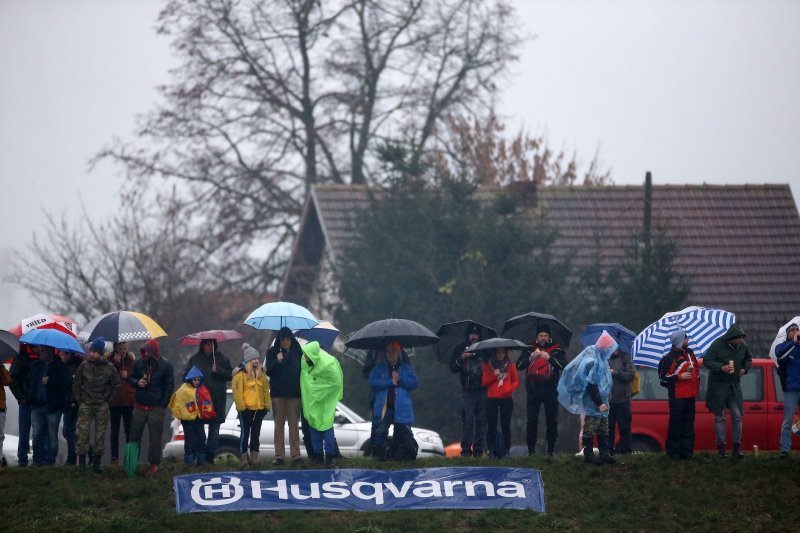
x: 621, y: 334
x: 52, y: 338
x: 324, y: 333
x: 276, y: 315
x: 702, y: 325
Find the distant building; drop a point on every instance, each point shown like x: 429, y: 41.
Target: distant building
x: 739, y: 243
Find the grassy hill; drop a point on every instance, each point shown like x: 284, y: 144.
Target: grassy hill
x: 644, y: 492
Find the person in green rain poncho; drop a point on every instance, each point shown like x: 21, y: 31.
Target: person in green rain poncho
x: 321, y: 386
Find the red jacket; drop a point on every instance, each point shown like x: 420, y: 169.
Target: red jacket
x: 493, y: 387
x: 127, y: 392
x: 681, y: 361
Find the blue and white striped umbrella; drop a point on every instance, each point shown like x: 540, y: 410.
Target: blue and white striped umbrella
x: 702, y: 325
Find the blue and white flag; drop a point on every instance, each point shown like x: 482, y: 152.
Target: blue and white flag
x: 360, y: 490
x: 702, y: 325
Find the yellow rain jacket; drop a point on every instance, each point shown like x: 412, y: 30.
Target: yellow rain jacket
x: 250, y: 393
x: 183, y: 403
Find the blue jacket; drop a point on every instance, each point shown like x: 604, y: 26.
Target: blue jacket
x: 380, y: 379
x: 790, y: 357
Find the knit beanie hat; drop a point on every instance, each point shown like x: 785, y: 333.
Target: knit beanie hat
x: 98, y: 345
x: 677, y: 338
x: 250, y: 353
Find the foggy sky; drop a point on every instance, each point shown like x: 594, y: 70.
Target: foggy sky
x: 695, y: 91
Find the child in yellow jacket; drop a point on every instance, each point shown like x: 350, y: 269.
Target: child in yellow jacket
x: 191, y: 404
x: 251, y: 396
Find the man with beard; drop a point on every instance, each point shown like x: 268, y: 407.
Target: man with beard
x: 542, y: 368
x: 469, y: 367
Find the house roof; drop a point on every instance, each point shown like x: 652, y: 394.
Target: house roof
x: 739, y: 243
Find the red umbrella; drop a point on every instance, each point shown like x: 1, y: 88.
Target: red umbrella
x: 43, y: 321
x: 219, y: 335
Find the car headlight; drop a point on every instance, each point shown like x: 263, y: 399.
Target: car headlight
x: 430, y: 438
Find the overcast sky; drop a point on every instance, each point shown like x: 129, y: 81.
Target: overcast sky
x: 695, y: 91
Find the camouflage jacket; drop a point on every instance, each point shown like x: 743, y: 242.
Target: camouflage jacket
x: 95, y: 382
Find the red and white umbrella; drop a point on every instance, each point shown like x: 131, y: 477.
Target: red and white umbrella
x: 43, y: 321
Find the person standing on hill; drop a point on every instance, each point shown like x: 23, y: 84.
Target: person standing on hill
x: 216, y: 367
x: 678, y: 370
x: 50, y: 382
x: 469, y: 367
x: 727, y: 360
x: 542, y: 368
x: 5, y: 380
x: 153, y: 378
x: 392, y: 380
x: 619, y: 413
x: 251, y: 396
x: 500, y: 379
x: 96, y: 382
x: 20, y: 388
x: 283, y: 369
x: 121, y: 409
x: 321, y: 388
x: 69, y: 420
x: 788, y: 355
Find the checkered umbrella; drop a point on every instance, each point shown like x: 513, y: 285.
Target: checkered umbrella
x: 122, y: 326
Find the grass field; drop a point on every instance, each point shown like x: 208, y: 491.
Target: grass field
x: 644, y: 492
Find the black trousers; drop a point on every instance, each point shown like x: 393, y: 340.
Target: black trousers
x: 124, y: 414
x: 680, y: 432
x: 504, y: 407
x: 550, y: 402
x: 620, y: 415
x: 473, y: 422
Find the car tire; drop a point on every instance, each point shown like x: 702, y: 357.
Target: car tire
x: 226, y: 454
x: 641, y: 443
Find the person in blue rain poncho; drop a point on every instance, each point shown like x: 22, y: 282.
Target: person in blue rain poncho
x: 584, y: 389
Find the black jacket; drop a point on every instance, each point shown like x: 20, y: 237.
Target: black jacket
x: 20, y: 368
x: 469, y: 370
x: 56, y: 392
x: 558, y: 360
x: 284, y: 376
x: 159, y: 388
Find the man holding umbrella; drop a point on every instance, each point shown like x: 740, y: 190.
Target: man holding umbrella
x: 469, y: 367
x: 216, y: 367
x: 542, y: 367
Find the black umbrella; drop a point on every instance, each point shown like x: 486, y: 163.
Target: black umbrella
x: 9, y: 346
x: 524, y: 327
x: 378, y: 334
x: 454, y: 334
x: 495, y: 343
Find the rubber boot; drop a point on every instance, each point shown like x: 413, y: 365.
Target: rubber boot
x: 245, y: 460
x: 96, y: 464
x: 253, y: 457
x: 588, y: 452
x: 380, y: 453
x: 189, y: 458
x: 721, y: 451
x: 201, y: 459
x: 737, y: 451
x: 605, y: 450
x: 329, y: 461
x: 71, y: 459
x: 82, y: 462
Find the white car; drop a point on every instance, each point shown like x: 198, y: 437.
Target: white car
x: 352, y: 436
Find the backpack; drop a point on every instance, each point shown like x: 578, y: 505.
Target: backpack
x: 636, y: 384
x: 539, y: 370
x: 663, y: 368
x: 205, y: 403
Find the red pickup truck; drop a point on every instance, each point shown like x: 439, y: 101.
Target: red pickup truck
x: 761, y: 423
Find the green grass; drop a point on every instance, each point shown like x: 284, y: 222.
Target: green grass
x: 642, y: 493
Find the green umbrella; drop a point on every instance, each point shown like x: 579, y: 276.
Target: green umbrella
x: 131, y: 458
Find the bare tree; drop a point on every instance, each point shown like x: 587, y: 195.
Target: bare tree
x: 270, y: 98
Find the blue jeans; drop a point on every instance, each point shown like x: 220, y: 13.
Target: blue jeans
x: 791, y: 398
x: 44, y: 423
x: 24, y: 434
x: 736, y: 422
x: 326, y: 438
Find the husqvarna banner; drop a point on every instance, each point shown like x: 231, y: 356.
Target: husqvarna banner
x: 360, y: 490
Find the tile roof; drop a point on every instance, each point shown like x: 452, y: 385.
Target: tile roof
x: 739, y: 243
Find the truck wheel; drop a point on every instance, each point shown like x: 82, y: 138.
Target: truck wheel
x: 640, y: 443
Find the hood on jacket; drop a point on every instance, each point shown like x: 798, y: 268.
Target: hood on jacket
x: 152, y: 350
x: 733, y: 332
x: 606, y: 345
x: 312, y: 350
x: 194, y: 372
